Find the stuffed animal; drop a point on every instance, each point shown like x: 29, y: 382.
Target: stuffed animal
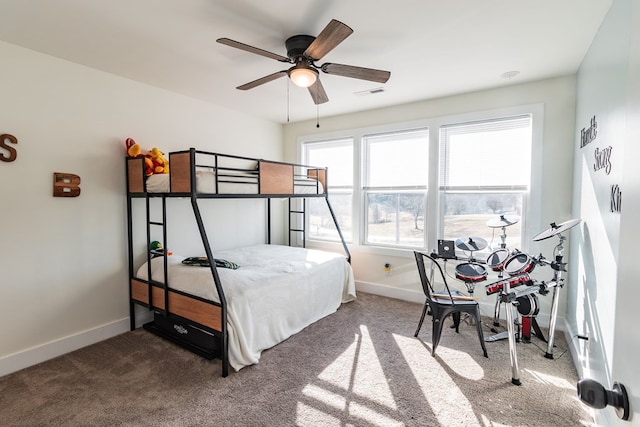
x: 160, y: 163
x: 157, y: 249
x: 134, y: 150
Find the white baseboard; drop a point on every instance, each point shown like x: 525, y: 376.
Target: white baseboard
x: 391, y: 292
x: 32, y: 356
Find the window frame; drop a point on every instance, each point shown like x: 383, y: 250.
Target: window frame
x: 531, y: 216
x: 367, y: 189
x: 523, y: 191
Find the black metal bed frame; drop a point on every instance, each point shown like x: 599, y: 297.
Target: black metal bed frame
x: 205, y: 340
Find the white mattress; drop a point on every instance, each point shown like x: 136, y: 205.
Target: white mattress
x: 206, y: 183
x: 276, y: 292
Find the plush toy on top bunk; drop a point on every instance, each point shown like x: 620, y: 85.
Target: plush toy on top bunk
x: 160, y: 163
x: 154, y: 160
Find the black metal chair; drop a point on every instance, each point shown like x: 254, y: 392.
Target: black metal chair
x: 443, y: 304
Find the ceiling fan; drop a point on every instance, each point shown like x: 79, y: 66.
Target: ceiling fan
x: 303, y: 51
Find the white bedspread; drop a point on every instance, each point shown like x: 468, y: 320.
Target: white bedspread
x: 276, y: 292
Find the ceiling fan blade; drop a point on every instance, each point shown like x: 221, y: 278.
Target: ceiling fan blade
x: 252, y: 49
x: 362, y: 73
x: 332, y: 35
x: 317, y: 93
x: 263, y: 80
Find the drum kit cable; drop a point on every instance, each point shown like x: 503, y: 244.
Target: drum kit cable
x: 517, y: 266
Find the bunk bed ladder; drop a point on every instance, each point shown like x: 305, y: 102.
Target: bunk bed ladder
x: 300, y: 223
x: 163, y: 224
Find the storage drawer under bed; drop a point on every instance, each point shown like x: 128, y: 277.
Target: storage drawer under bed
x: 186, y: 335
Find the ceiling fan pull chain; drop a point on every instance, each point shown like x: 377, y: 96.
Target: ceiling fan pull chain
x: 287, y: 100
x: 317, y: 115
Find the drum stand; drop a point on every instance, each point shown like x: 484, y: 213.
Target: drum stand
x: 496, y: 310
x: 513, y: 355
x: 558, y: 268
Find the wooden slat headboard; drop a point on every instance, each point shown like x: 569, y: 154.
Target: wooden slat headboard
x: 275, y: 178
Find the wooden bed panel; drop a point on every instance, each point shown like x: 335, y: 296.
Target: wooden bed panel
x: 135, y: 175
x: 198, y: 311
x: 140, y: 292
x: 275, y: 178
x: 320, y: 175
x: 180, y: 172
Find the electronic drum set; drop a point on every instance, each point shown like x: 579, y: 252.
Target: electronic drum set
x: 516, y: 288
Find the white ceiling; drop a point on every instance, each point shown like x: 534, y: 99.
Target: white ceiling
x: 433, y: 48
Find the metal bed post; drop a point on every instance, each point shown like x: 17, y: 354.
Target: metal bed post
x: 132, y: 311
x: 269, y: 221
x: 218, y: 283
x: 335, y: 221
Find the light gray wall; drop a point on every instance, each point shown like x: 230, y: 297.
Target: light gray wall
x: 64, y: 260
x: 603, y: 290
x: 553, y: 173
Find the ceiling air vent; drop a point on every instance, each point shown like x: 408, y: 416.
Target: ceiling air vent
x: 369, y: 92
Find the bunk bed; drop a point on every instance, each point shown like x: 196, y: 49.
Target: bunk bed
x: 270, y: 292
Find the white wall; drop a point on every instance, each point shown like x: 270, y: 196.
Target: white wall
x: 604, y: 286
x: 63, y: 260
x: 554, y: 173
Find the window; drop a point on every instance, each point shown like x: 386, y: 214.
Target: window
x: 381, y: 181
x: 395, y: 186
x: 337, y: 155
x: 485, y: 170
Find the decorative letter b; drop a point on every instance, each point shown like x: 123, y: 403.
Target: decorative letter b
x: 66, y: 185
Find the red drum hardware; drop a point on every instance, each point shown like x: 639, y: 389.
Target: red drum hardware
x: 471, y: 272
x: 528, y: 306
x: 519, y: 263
x: 497, y: 259
x: 510, y: 282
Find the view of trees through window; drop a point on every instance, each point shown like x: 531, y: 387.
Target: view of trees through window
x: 337, y: 156
x: 396, y: 218
x: 395, y: 187
x: 483, y: 171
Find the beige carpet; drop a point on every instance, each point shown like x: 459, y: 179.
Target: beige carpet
x: 358, y: 367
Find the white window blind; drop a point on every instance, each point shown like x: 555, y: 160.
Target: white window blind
x: 488, y: 154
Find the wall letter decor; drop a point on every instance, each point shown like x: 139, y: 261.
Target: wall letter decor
x: 616, y: 198
x: 602, y: 159
x: 5, y: 139
x: 66, y: 185
x: 589, y: 134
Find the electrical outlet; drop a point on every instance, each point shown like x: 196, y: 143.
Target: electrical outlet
x: 387, y: 269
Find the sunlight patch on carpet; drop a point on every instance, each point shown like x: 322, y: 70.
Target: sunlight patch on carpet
x: 312, y: 417
x: 328, y: 398
x: 487, y: 422
x: 458, y: 361
x: 371, y: 416
x: 442, y: 393
x: 550, y: 379
x: 353, y: 385
x: 359, y: 371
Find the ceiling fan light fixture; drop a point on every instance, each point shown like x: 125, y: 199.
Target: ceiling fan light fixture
x: 303, y: 75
